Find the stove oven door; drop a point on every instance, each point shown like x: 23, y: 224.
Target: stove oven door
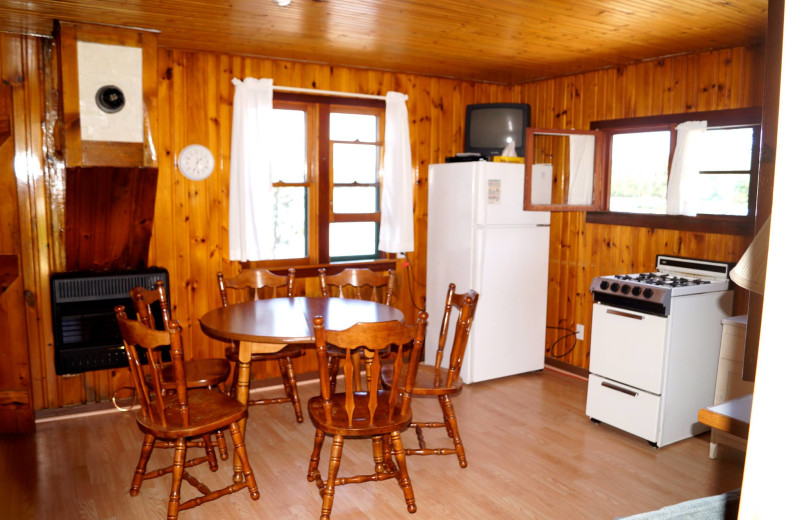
x: 629, y: 347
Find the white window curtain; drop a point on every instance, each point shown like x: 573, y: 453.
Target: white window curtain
x: 251, y: 227
x: 581, y: 169
x: 397, y: 198
x: 683, y: 177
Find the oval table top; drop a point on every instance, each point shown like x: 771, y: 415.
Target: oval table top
x: 290, y: 320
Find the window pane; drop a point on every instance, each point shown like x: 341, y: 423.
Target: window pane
x: 289, y: 161
x: 355, y: 200
x: 726, y: 150
x: 290, y: 222
x: 354, y: 127
x: 639, y: 163
x: 723, y: 194
x: 355, y: 163
x: 353, y: 239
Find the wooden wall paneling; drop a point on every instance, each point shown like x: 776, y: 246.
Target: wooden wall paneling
x: 185, y: 215
x: 670, y: 85
x: 201, y: 107
x: 21, y: 68
x: 16, y: 395
x: 420, y: 114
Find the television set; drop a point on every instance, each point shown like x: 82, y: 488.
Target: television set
x: 489, y: 128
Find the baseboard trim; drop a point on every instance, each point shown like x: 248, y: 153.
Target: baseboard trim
x: 89, y: 409
x: 565, y: 368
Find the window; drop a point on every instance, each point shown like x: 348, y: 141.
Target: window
x: 326, y: 179
x: 640, y: 154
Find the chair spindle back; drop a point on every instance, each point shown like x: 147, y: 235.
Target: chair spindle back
x: 465, y: 304
x: 135, y: 333
x: 255, y: 284
x: 359, y: 284
x: 143, y: 301
x: 374, y: 337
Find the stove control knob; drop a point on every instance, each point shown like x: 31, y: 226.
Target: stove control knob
x: 604, y: 285
x: 648, y: 293
x: 615, y: 287
x: 636, y: 291
x: 626, y: 289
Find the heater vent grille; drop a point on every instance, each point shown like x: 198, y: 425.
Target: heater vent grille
x: 85, y: 332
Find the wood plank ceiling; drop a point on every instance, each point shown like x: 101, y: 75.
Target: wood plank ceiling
x: 507, y: 42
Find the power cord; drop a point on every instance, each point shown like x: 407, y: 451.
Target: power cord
x: 572, y: 334
x: 115, y: 398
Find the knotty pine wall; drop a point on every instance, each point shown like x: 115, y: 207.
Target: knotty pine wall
x: 191, y: 218
x: 190, y: 225
x: 731, y: 78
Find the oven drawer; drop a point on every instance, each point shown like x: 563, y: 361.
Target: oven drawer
x: 629, y: 346
x: 623, y: 407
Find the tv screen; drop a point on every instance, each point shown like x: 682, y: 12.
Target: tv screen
x: 491, y: 126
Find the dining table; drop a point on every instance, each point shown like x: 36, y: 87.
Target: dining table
x: 266, y: 326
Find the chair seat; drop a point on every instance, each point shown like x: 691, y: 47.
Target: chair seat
x: 338, y: 424
x: 200, y: 373
x: 210, y: 410
x: 289, y: 351
x: 429, y: 381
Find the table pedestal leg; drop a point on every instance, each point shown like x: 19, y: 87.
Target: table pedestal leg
x: 242, y: 395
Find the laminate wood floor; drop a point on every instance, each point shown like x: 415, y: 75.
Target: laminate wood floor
x: 532, y: 454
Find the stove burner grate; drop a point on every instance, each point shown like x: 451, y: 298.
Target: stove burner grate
x: 661, y: 279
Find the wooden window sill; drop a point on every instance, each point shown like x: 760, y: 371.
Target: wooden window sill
x: 702, y: 224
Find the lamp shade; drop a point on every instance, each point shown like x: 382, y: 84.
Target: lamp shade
x: 751, y: 270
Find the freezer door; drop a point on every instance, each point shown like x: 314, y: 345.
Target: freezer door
x: 499, y: 197
x: 510, y: 275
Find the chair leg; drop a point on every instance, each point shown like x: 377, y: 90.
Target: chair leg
x: 241, y: 452
x: 141, y: 466
x: 420, y: 435
x: 387, y: 454
x: 452, y: 428
x: 402, y: 477
x: 212, y: 456
x: 290, y: 386
x: 379, y: 454
x: 221, y: 445
x: 313, y: 465
x: 333, y: 470
x: 177, y: 477
x: 234, y: 379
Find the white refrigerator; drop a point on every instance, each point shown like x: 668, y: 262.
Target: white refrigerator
x: 480, y: 238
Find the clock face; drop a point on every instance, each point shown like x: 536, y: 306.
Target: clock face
x: 196, y: 162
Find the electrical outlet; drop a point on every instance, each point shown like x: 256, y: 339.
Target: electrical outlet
x: 579, y: 332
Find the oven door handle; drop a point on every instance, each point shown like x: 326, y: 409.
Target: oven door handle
x: 624, y: 314
x: 619, y: 389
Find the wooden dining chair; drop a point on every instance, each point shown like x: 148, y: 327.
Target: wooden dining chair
x: 171, y: 418
x: 258, y: 284
x: 379, y: 413
x: 359, y: 284
x: 199, y: 373
x: 436, y: 380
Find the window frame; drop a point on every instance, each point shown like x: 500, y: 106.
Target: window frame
x: 375, y: 216
x: 319, y: 211
x: 727, y: 224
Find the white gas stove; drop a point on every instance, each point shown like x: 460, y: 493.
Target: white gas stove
x: 653, y: 292
x: 655, y: 342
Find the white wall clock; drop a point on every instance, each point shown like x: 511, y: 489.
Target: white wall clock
x: 196, y: 162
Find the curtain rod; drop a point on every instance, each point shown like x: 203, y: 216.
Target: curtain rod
x: 328, y: 92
